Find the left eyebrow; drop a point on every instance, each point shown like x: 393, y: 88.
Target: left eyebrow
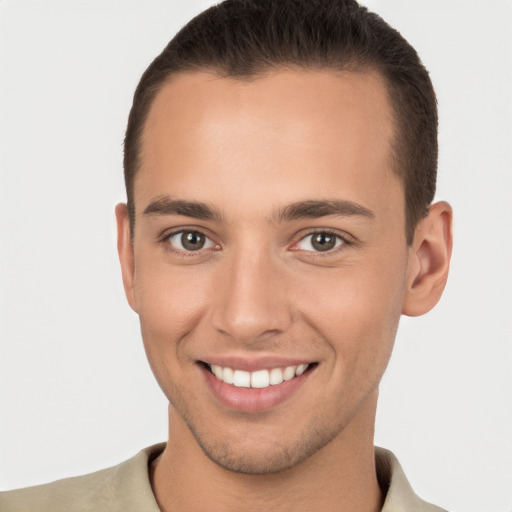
x: 316, y: 209
x: 164, y: 205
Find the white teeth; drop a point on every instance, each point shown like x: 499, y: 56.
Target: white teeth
x: 242, y: 379
x: 301, y: 369
x: 228, y: 375
x: 289, y: 372
x: 258, y: 379
x: 276, y: 376
x: 217, y: 371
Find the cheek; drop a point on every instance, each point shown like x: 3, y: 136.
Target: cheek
x: 170, y: 301
x: 356, y: 309
x: 168, y: 296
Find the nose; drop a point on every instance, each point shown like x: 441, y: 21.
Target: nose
x: 251, y: 298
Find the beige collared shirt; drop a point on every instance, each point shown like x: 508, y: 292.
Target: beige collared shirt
x: 126, y: 488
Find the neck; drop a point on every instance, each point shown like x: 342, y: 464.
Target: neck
x: 341, y: 476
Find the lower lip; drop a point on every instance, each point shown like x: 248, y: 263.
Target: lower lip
x: 253, y: 399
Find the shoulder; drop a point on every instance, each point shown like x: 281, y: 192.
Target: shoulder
x: 77, y: 494
x: 123, y: 487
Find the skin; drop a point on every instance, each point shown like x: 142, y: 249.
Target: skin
x: 249, y: 149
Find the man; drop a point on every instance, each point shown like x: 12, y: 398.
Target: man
x: 280, y: 163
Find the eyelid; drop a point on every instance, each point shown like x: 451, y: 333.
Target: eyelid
x: 165, y: 237
x: 346, y: 239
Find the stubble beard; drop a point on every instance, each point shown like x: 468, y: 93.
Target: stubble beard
x: 262, y: 458
x: 245, y: 453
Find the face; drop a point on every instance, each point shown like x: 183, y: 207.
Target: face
x: 269, y: 258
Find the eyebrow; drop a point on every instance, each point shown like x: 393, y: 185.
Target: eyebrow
x: 316, y: 209
x: 164, y: 205
x: 311, y: 209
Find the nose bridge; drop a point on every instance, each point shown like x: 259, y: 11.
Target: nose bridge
x: 251, y: 296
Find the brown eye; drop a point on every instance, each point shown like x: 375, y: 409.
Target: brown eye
x: 323, y: 242
x: 320, y: 242
x: 190, y: 241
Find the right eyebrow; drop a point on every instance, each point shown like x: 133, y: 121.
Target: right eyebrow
x: 313, y: 209
x: 164, y: 205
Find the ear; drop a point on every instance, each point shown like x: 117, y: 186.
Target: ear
x: 125, y: 251
x: 429, y: 260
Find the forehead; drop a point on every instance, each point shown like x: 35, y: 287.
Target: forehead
x: 295, y: 131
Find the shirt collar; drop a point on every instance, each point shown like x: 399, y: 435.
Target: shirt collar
x: 400, y: 497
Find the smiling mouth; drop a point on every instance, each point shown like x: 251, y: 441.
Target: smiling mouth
x: 258, y: 379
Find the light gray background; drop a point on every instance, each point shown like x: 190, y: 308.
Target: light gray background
x: 76, y: 392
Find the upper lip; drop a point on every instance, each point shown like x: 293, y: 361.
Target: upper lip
x: 253, y: 363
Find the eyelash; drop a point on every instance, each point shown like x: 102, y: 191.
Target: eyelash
x: 345, y: 239
x: 183, y: 253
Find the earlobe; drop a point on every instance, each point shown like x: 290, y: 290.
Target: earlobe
x: 429, y: 261
x: 125, y: 251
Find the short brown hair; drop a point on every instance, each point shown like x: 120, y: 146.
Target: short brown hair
x: 246, y: 38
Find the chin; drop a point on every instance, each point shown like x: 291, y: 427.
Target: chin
x: 251, y: 462
x: 253, y: 456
